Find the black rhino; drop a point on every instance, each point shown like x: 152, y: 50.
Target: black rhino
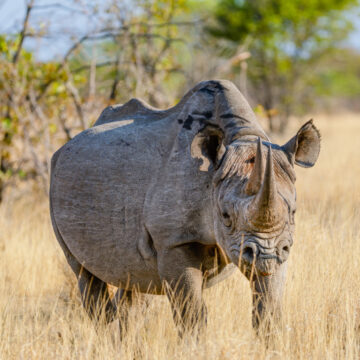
x: 176, y: 199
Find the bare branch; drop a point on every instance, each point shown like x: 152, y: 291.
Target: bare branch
x: 29, y: 7
x: 98, y: 65
x: 65, y: 128
x: 77, y: 102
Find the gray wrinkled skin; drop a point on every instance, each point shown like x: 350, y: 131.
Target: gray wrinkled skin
x: 150, y: 197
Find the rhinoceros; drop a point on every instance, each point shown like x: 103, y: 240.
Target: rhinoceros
x: 173, y: 201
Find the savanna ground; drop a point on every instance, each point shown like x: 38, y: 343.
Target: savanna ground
x: 41, y: 316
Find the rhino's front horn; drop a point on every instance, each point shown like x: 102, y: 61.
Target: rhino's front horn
x: 265, y: 209
x: 255, y: 180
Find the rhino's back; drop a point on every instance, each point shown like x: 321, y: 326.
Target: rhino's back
x: 99, y: 183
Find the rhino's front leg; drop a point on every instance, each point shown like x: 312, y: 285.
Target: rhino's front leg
x: 180, y: 270
x: 267, y: 299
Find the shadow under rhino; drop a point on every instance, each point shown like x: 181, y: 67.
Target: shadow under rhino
x: 172, y: 201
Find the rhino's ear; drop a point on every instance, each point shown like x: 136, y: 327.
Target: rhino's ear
x: 208, y: 145
x: 304, y: 148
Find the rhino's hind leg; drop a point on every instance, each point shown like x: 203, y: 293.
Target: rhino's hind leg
x: 95, y: 297
x: 94, y: 292
x: 98, y: 303
x: 122, y: 301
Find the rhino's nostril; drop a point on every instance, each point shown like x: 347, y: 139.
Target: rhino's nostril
x: 285, y: 250
x: 249, y: 253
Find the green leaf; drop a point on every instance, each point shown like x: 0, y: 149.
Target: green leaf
x: 6, y: 124
x: 22, y: 174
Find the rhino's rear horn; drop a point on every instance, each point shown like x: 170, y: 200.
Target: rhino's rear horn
x: 255, y: 180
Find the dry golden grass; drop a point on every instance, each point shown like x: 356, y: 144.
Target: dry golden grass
x: 41, y: 316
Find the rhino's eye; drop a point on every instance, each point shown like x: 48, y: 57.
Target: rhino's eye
x: 226, y: 219
x: 250, y: 161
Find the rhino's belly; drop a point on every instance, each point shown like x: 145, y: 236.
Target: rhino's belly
x: 107, y: 251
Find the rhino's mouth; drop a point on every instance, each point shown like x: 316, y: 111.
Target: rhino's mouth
x: 253, y: 261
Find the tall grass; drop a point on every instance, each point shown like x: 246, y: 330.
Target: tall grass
x: 41, y: 316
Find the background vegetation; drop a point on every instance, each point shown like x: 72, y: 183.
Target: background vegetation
x: 291, y: 59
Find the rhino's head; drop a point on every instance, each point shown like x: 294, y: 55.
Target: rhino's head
x: 255, y: 198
